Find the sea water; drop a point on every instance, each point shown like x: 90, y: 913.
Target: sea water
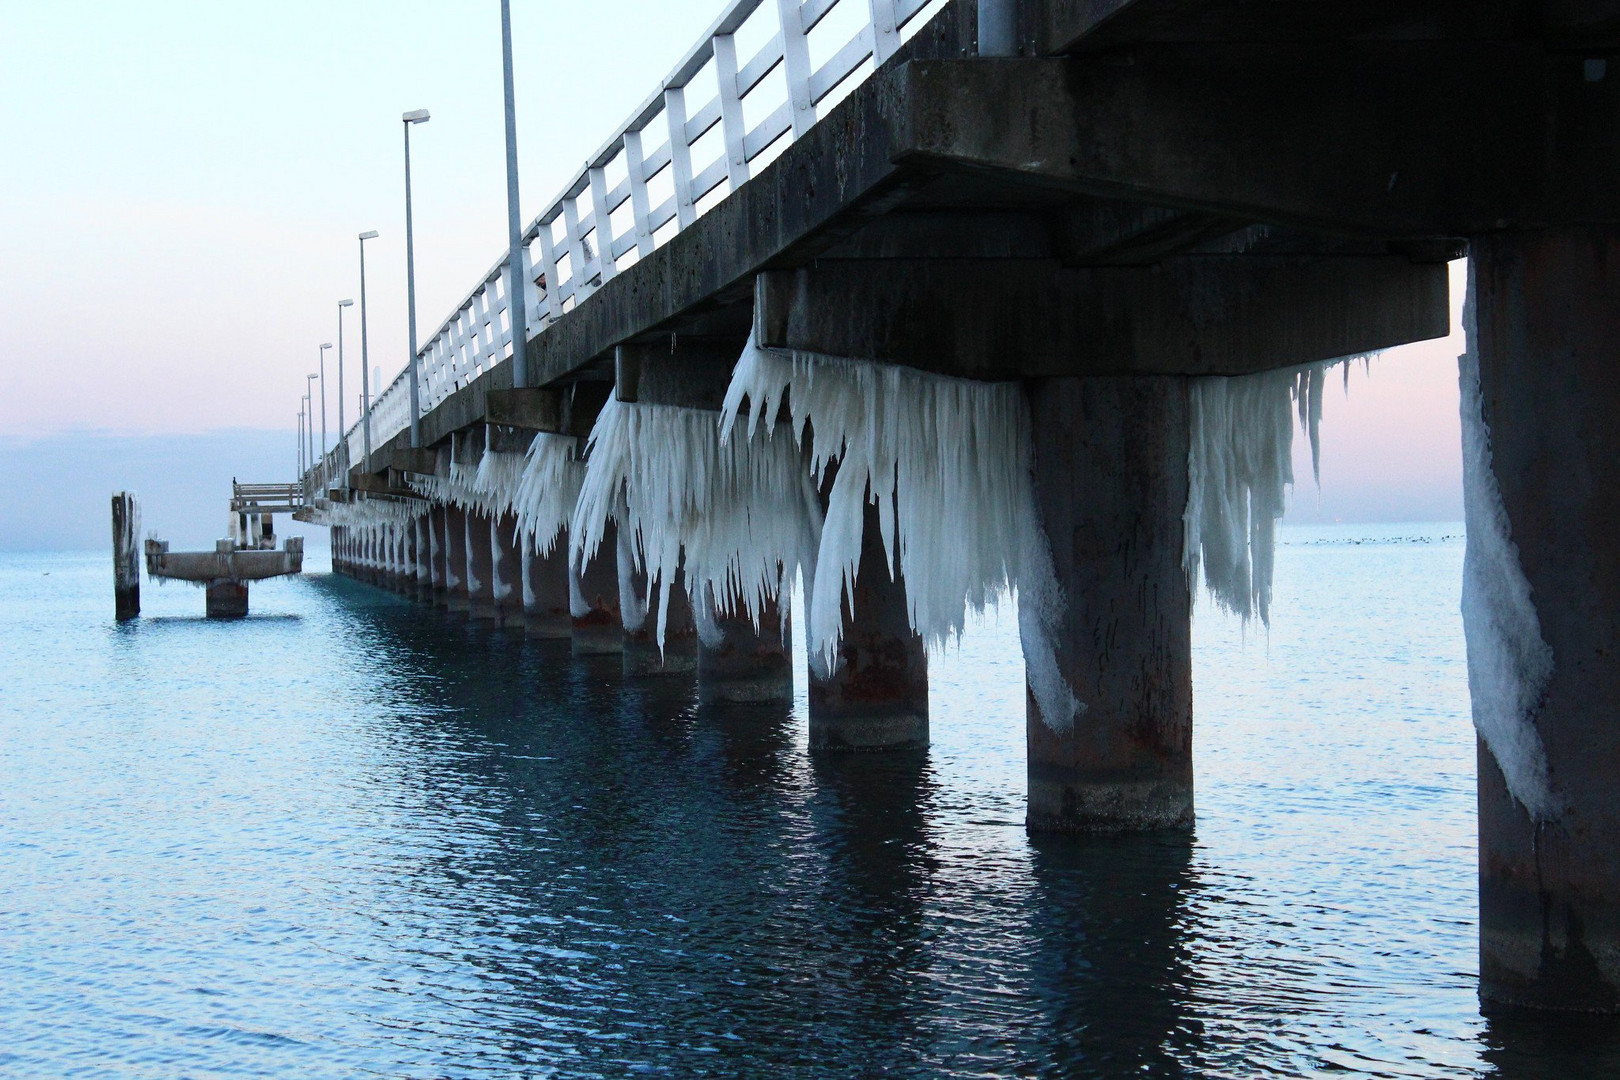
x: 355, y: 836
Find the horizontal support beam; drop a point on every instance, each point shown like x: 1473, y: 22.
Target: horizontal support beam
x: 531, y: 408
x: 420, y: 460
x: 684, y: 370
x: 1192, y: 315
x: 1395, y: 139
x: 390, y: 483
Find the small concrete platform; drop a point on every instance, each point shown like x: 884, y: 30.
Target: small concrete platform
x: 225, y: 571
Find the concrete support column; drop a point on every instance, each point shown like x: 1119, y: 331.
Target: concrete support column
x: 593, y: 599
x: 409, y: 559
x: 455, y: 562
x: 340, y: 542
x: 391, y: 556
x: 876, y: 698
x: 424, y: 559
x: 226, y: 600
x: 480, y: 572
x: 545, y: 589
x: 437, y: 556
x: 640, y: 607
x: 738, y: 662
x: 1547, y: 307
x: 506, y: 570
x: 1110, y: 490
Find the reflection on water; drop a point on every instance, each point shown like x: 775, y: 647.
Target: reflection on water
x: 348, y: 835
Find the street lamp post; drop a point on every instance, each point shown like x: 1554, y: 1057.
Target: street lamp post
x: 415, y: 116
x: 343, y: 432
x: 309, y: 396
x: 324, y: 346
x: 365, y: 357
x: 300, y: 441
x: 516, y: 291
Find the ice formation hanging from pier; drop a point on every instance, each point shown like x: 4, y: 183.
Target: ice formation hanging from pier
x: 1240, y: 463
x: 740, y: 518
x: 547, y: 489
x: 947, y: 463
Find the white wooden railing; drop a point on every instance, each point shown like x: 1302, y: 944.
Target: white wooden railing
x: 669, y: 162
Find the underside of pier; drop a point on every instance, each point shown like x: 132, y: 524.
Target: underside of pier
x: 1151, y: 193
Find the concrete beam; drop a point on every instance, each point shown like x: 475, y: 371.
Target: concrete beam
x: 531, y: 408
x: 1065, y: 26
x: 1395, y: 139
x: 679, y: 369
x: 419, y: 460
x: 1194, y: 315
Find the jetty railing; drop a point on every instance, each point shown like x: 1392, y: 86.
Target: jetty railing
x: 683, y: 150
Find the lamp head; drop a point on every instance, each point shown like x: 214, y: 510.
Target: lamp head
x: 416, y: 116
x: 369, y: 234
x: 345, y: 303
x: 325, y: 345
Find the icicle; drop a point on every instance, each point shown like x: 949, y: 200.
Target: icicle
x: 496, y: 481
x: 1239, y: 467
x: 1509, y: 662
x: 947, y: 463
x: 740, y: 516
x: 547, y: 489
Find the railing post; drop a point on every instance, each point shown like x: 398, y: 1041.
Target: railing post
x: 885, y: 30
x: 731, y: 113
x: 604, y: 223
x: 796, y: 64
x: 680, y: 155
x: 548, y: 268
x: 636, y: 166
x: 578, y: 271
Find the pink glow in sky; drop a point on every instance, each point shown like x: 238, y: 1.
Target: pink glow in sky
x: 184, y: 182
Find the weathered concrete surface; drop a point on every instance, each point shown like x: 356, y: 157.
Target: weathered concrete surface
x: 224, y: 563
x: 422, y: 550
x: 739, y: 662
x: 545, y: 590
x: 506, y: 571
x: 455, y: 561
x: 599, y: 630
x: 877, y: 696
x: 1426, y: 138
x: 438, y: 556
x: 227, y: 600
x: 642, y: 652
x: 480, y: 567
x: 1194, y: 314
x: 126, y: 557
x: 1111, y: 488
x: 1548, y: 343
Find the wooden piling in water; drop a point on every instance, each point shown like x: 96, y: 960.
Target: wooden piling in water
x: 126, y: 525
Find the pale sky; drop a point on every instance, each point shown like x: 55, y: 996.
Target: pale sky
x: 183, y: 183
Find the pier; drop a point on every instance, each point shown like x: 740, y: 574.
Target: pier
x: 1011, y: 294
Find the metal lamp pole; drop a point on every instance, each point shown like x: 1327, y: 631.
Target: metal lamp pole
x: 324, y: 346
x: 365, y: 356
x: 309, y: 396
x: 300, y: 440
x: 516, y: 291
x: 415, y: 116
x: 343, y: 432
